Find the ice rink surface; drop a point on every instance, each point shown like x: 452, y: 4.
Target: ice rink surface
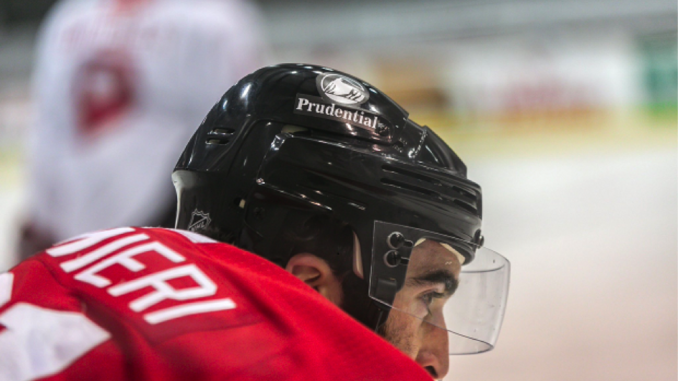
x: 592, y: 240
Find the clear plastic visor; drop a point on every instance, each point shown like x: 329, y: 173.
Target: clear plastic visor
x: 442, y: 300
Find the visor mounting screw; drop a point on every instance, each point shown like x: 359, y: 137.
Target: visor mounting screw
x: 395, y: 240
x: 259, y: 213
x: 478, y: 239
x: 392, y: 258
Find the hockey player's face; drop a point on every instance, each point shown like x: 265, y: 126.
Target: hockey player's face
x: 432, y: 278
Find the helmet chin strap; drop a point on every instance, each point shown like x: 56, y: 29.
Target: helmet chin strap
x: 377, y: 312
x: 357, y: 303
x: 357, y: 258
x: 377, y: 315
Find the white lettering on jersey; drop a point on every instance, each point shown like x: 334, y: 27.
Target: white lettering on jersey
x: 164, y: 290
x: 6, y: 281
x: 189, y: 309
x: 125, y: 259
x: 39, y: 342
x: 101, y: 259
x: 80, y: 262
x: 84, y: 241
x: 194, y: 237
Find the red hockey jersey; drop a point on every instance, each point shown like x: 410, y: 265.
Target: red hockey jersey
x: 159, y: 304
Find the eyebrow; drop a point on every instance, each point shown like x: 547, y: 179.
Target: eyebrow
x: 435, y: 277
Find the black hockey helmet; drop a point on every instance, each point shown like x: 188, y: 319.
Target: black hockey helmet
x: 293, y: 143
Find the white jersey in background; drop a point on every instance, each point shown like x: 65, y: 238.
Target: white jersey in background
x: 120, y: 86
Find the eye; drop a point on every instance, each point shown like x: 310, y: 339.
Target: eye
x: 428, y: 298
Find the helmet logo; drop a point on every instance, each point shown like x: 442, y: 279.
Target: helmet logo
x: 341, y: 89
x: 340, y: 100
x: 199, y: 220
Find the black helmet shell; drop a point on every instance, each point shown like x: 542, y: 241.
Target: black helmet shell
x: 298, y: 138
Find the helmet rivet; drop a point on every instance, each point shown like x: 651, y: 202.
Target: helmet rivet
x: 395, y: 240
x: 392, y: 258
x: 259, y: 213
x: 478, y: 238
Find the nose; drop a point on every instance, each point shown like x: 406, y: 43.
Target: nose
x: 433, y: 354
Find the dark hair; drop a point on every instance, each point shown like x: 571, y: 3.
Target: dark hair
x: 332, y: 240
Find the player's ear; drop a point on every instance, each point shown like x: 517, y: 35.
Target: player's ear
x: 315, y: 272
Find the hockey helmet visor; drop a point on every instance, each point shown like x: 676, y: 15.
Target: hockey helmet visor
x: 439, y: 291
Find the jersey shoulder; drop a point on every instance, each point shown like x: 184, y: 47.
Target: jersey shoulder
x: 160, y: 281
x: 187, y: 306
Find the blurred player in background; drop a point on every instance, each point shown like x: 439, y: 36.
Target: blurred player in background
x: 119, y: 86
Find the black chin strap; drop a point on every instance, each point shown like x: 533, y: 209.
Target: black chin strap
x: 377, y: 314
x: 371, y: 313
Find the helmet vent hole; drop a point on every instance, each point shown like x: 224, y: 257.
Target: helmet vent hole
x: 223, y: 131
x: 221, y: 141
x: 410, y: 187
x: 239, y: 202
x: 403, y: 172
x: 291, y: 129
x: 466, y: 194
x: 465, y: 206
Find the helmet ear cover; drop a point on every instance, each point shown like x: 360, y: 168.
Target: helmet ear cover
x: 281, y: 184
x: 306, y: 231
